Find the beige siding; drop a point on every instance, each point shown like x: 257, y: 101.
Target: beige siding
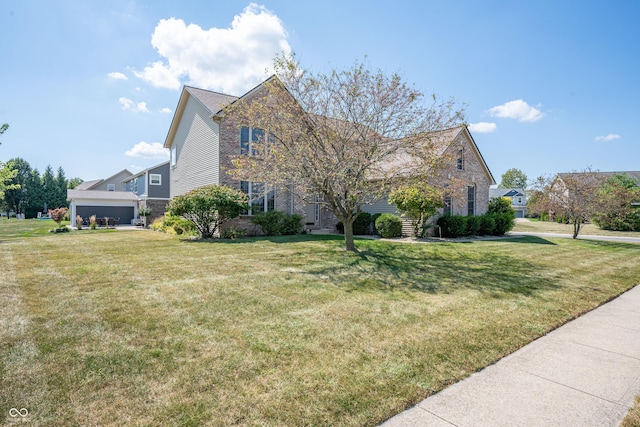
x: 197, y: 148
x: 381, y: 206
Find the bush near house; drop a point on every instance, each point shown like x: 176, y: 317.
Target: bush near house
x: 389, y: 225
x: 489, y: 224
x: 277, y: 223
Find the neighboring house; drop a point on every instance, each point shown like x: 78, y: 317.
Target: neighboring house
x: 151, y: 186
x: 202, y: 141
x: 103, y: 198
x: 518, y: 199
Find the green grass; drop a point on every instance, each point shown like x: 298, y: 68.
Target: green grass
x: 142, y: 328
x: 534, y: 225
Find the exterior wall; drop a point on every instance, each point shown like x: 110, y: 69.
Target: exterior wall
x: 161, y: 191
x: 116, y: 180
x: 158, y: 208
x: 197, y: 150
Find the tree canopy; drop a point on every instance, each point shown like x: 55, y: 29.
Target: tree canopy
x: 346, y: 135
x: 513, y: 178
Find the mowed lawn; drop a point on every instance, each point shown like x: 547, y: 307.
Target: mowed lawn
x: 142, y: 328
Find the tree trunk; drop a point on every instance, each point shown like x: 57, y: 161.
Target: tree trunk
x: 576, y: 228
x: 348, y: 236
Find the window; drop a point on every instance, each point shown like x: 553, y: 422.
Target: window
x: 447, y: 206
x: 248, y: 136
x: 261, y: 197
x: 174, y: 154
x: 111, y: 187
x: 471, y: 201
x: 155, y: 179
x: 461, y: 159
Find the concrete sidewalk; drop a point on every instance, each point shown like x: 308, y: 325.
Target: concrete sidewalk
x: 585, y: 373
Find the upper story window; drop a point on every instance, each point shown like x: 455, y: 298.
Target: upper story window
x: 174, y: 155
x: 155, y: 179
x: 111, y: 187
x: 249, y: 139
x: 460, y: 165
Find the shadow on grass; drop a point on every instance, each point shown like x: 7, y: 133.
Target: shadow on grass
x: 530, y: 240
x: 271, y: 239
x: 437, y: 270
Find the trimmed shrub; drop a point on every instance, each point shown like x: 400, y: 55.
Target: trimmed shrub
x: 277, y: 223
x: 389, y: 225
x: 362, y: 224
x: 472, y: 225
x: 174, y: 225
x: 487, y: 225
x: 503, y: 222
x: 453, y: 225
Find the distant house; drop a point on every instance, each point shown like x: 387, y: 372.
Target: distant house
x: 518, y: 199
x: 103, y: 198
x: 151, y: 186
x: 202, y: 141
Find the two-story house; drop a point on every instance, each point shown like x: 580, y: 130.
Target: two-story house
x: 202, y: 141
x: 151, y: 186
x: 518, y: 199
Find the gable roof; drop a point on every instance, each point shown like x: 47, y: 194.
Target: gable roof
x: 211, y: 101
x: 506, y: 192
x: 143, y: 172
x: 631, y: 174
x: 89, y: 185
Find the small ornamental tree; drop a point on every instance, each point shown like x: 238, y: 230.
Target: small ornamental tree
x: 419, y: 204
x: 208, y: 207
x: 58, y: 215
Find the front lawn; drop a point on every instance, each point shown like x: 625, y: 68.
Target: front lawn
x: 143, y: 328
x: 537, y: 226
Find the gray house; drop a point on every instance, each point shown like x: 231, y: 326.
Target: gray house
x: 103, y: 198
x: 518, y: 199
x: 151, y: 186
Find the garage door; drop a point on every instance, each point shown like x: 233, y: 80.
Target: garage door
x: 125, y: 213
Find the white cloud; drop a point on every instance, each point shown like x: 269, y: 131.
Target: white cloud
x: 518, y: 110
x: 153, y: 150
x: 608, y: 138
x: 231, y: 60
x: 127, y: 104
x: 482, y: 127
x: 117, y: 76
x: 166, y: 110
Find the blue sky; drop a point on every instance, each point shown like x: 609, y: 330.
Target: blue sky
x: 549, y: 86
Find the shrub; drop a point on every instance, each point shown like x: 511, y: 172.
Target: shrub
x: 78, y: 222
x: 208, y: 207
x: 472, y: 225
x: 233, y: 233
x: 173, y: 225
x: 487, y: 225
x: 453, y: 225
x: 501, y: 205
x: 277, y: 223
x: 374, y: 218
x: 389, y: 225
x: 340, y: 227
x: 362, y: 224
x: 92, y: 222
x: 58, y: 215
x: 503, y: 222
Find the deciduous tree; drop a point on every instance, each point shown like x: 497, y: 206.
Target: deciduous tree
x: 419, y: 203
x: 350, y: 136
x: 615, y: 204
x: 513, y: 178
x: 571, y: 196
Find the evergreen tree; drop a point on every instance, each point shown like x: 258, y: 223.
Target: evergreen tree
x: 60, y: 200
x: 35, y: 195
x: 49, y: 188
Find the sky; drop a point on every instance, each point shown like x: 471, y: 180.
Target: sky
x: 548, y: 86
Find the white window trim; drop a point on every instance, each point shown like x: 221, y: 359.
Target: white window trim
x: 155, y: 175
x: 111, y: 187
x: 174, y: 155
